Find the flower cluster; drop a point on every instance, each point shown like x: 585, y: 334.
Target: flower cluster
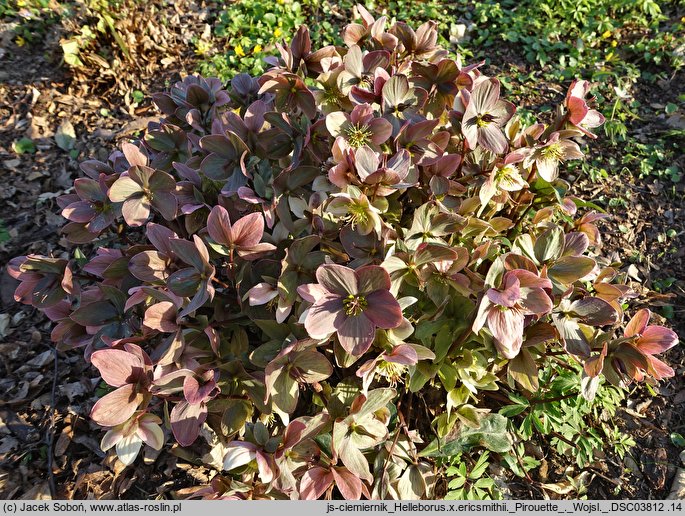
x: 277, y: 265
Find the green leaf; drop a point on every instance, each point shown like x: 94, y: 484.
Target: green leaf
x: 4, y: 234
x: 138, y: 96
x: 523, y: 369
x: 313, y: 366
x: 71, y: 52
x: 512, y: 410
x: 283, y: 390
x: 549, y: 245
x: 377, y: 399
x: 234, y: 417
x: 456, y: 483
x: 569, y: 269
x: 678, y: 440
x: 492, y: 434
x: 94, y: 314
x: 24, y: 146
x: 65, y: 136
x: 480, y: 467
x: 443, y: 341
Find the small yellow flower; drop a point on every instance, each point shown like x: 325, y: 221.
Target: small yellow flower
x: 606, y: 34
x: 257, y: 48
x: 239, y: 51
x: 614, y: 43
x: 278, y: 32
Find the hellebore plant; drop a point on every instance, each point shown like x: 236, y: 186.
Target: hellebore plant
x: 308, y: 280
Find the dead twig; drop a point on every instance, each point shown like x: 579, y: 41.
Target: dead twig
x: 50, y: 435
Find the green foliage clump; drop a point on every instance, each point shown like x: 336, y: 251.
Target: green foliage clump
x: 359, y: 274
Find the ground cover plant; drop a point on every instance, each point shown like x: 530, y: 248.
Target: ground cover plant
x: 283, y: 266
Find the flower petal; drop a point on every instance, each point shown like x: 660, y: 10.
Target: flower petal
x: 469, y: 127
x: 535, y: 301
x: 133, y: 155
x: 248, y: 230
x: 659, y: 370
x: 186, y: 420
x: 337, y: 279
x: 371, y: 278
x: 507, y: 328
x: 116, y: 407
x: 403, y: 354
x: 356, y: 334
x: 481, y: 316
x: 638, y: 323
x: 484, y: 95
x: 383, y: 310
x: 366, y: 161
x: 349, y: 484
x: 577, y: 109
x: 161, y: 317
x: 492, y: 138
x: 315, y: 481
x: 261, y: 294
x: 111, y: 438
x: 548, y: 169
x: 507, y: 297
x: 311, y: 292
x: 127, y: 449
x: 151, y: 434
x: 503, y: 110
x: 656, y: 339
x: 593, y: 118
x: 325, y: 316
x: 123, y: 188
x: 136, y: 210
x: 239, y: 454
x: 381, y: 130
x: 219, y: 226
x: 117, y: 367
x: 336, y: 122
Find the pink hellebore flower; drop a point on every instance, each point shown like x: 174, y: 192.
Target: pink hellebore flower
x: 649, y: 341
x: 557, y: 149
x: 504, y: 310
x: 485, y: 116
x: 389, y: 364
x: 579, y: 113
x: 352, y: 304
x: 130, y: 436
x: 130, y: 371
x: 240, y: 453
x: 190, y: 413
x: 359, y: 128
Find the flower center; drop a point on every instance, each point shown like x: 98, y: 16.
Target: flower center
x: 365, y: 82
x: 358, y: 213
x: 354, y: 304
x: 391, y: 371
x: 554, y: 152
x: 358, y: 135
x: 331, y: 96
x: 484, y: 119
x: 504, y: 172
